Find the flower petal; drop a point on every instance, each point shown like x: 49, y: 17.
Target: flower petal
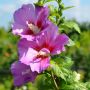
x: 26, y: 51
x: 22, y: 73
x: 38, y: 9
x: 26, y: 13
x: 42, y: 17
x: 24, y: 45
x: 40, y: 64
x: 59, y: 43
x: 18, y: 29
x: 28, y: 57
x: 62, y: 39
x: 48, y: 35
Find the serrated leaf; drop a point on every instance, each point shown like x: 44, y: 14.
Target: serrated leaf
x: 68, y: 62
x: 70, y: 25
x: 57, y: 71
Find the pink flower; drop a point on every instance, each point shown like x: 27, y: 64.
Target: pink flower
x: 37, y: 53
x: 29, y: 20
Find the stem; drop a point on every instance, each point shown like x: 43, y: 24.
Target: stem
x: 54, y: 81
x: 60, y: 11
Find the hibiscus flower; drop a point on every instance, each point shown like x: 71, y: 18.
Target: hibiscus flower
x: 30, y: 20
x: 37, y: 53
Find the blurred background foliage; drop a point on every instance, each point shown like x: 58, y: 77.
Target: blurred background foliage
x: 80, y: 54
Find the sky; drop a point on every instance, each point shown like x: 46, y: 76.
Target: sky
x: 81, y: 11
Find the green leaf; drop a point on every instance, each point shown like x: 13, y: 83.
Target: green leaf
x: 62, y: 70
x: 70, y: 25
x: 63, y: 61
x: 69, y: 7
x: 88, y: 85
x: 57, y: 70
x: 74, y: 86
x: 38, y: 4
x: 76, y: 27
x: 42, y: 2
x: 71, y: 43
x: 67, y: 63
x: 49, y: 1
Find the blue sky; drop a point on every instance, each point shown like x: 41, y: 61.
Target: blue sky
x: 81, y: 12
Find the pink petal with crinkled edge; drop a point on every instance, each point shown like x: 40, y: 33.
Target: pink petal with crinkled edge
x: 59, y: 44
x: 28, y: 57
x: 25, y: 13
x: 40, y: 64
x: 24, y: 45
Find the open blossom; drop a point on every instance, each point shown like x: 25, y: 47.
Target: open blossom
x: 22, y: 73
x: 37, y: 53
x: 29, y: 20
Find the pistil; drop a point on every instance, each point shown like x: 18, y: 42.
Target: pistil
x: 33, y: 28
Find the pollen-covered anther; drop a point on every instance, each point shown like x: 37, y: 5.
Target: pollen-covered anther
x: 41, y: 53
x: 33, y: 28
